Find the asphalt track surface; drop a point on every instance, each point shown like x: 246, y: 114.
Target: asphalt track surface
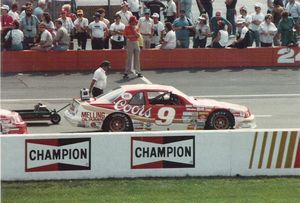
x: 272, y: 94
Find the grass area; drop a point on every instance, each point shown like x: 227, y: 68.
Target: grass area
x: 155, y: 190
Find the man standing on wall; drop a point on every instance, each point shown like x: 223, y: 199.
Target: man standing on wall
x: 99, y: 80
x: 230, y: 13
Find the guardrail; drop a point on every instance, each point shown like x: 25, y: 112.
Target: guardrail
x: 151, y: 154
x: 34, y: 61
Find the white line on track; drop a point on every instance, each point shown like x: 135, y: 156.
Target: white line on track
x: 262, y: 116
x: 146, y: 80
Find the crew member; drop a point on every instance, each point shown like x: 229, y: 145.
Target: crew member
x: 99, y: 81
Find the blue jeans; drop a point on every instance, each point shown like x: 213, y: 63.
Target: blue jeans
x: 254, y: 36
x: 60, y: 48
x: 230, y: 17
x: 183, y: 43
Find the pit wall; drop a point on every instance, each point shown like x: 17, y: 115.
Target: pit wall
x: 34, y: 61
x: 150, y: 154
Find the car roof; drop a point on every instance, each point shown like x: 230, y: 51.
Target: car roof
x: 148, y: 87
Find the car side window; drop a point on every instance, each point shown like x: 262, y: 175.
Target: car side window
x: 138, y: 99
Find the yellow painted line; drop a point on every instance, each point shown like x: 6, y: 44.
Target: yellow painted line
x: 290, y: 153
x: 262, y: 151
x: 253, y: 150
x: 281, y: 149
x: 271, y: 152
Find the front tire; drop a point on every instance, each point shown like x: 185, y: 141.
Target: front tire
x: 117, y: 122
x: 220, y: 120
x: 55, y: 118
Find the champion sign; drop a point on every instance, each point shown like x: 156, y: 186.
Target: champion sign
x: 163, y: 152
x: 57, y: 154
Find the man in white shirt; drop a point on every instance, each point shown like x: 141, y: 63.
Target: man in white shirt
x: 257, y: 18
x: 98, y: 31
x: 134, y: 7
x: 81, y: 27
x: 145, y: 25
x: 124, y: 13
x: 243, y: 37
x: 169, y: 41
x: 13, y: 12
x: 158, y: 30
x: 46, y: 40
x: 171, y: 11
x: 116, y: 30
x: 293, y: 8
x: 99, y: 80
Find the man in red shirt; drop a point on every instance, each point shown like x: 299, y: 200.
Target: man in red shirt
x: 132, y: 34
x: 6, y: 23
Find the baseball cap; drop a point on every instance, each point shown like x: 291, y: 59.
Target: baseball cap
x: 124, y: 3
x: 243, y: 8
x: 105, y: 63
x: 5, y: 7
x: 80, y: 11
x: 201, y: 18
x: 155, y: 15
x: 258, y: 5
x: 147, y: 11
x: 97, y: 15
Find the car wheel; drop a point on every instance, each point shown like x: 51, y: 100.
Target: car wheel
x: 219, y: 120
x: 117, y: 122
x: 55, y: 118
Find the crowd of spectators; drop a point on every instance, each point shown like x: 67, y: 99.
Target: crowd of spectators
x: 31, y: 28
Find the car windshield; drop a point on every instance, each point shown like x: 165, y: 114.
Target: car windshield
x: 111, y: 96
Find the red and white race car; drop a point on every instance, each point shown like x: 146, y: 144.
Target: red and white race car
x: 11, y: 123
x: 156, y: 107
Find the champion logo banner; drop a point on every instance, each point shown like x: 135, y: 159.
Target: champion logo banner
x: 65, y: 154
x: 163, y: 152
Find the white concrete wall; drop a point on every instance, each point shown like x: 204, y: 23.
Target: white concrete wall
x: 209, y: 153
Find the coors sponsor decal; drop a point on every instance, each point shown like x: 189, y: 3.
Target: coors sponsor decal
x: 163, y: 152
x: 57, y: 154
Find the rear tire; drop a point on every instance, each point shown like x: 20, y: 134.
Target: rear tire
x: 220, y: 120
x: 117, y: 122
x: 55, y: 118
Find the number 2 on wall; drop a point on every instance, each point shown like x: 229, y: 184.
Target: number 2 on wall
x: 165, y: 116
x: 287, y: 56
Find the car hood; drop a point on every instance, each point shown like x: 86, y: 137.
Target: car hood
x: 210, y: 103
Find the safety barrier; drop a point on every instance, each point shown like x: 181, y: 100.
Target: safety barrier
x: 151, y: 154
x: 34, y: 61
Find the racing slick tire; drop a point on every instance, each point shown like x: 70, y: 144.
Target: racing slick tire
x: 55, y: 118
x: 220, y: 120
x: 117, y: 122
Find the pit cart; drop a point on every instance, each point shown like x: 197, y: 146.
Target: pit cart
x: 40, y: 112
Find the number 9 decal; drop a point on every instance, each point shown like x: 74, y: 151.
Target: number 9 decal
x: 165, y: 116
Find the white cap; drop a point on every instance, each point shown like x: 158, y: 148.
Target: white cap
x: 202, y: 18
x: 124, y: 3
x: 257, y: 5
x: 5, y: 7
x: 155, y: 15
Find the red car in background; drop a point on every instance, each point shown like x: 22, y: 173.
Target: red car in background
x: 11, y: 123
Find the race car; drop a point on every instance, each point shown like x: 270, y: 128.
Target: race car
x: 11, y: 123
x: 155, y: 107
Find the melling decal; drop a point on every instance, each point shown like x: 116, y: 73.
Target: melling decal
x: 163, y: 152
x: 57, y: 154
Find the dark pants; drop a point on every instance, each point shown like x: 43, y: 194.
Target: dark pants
x: 97, y: 43
x: 96, y: 92
x: 82, y: 38
x: 265, y: 44
x: 230, y: 17
x: 136, y: 14
x: 209, y: 9
x: 170, y: 19
x: 116, y: 45
x: 199, y: 43
x: 217, y: 45
x: 28, y: 43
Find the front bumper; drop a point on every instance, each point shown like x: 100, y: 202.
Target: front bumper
x: 73, y: 120
x: 245, y: 122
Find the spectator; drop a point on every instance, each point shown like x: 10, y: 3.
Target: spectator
x: 23, y: 9
x: 67, y: 9
x: 116, y: 30
x: 221, y: 40
x: 155, y: 6
x: 134, y: 6
x: 17, y: 37
x: 285, y: 30
x: 169, y: 41
x: 81, y: 27
x: 293, y: 8
x: 14, y: 12
x: 257, y: 18
x: 186, y: 5
x: 267, y: 30
x: 67, y: 23
x: 182, y: 27
x: 243, y: 37
x: 244, y: 15
x: 99, y: 80
x: 207, y: 5
x: 101, y: 11
x: 158, y: 30
x: 98, y: 31
x: 171, y: 11
x: 46, y: 18
x: 214, y: 23
x: 131, y: 32
x: 62, y: 39
x: 270, y: 6
x: 145, y: 26
x: 124, y: 13
x: 39, y: 10
x: 29, y: 25
x: 6, y: 23
x: 230, y: 13
x: 202, y: 31
x: 46, y: 39
x: 276, y: 13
